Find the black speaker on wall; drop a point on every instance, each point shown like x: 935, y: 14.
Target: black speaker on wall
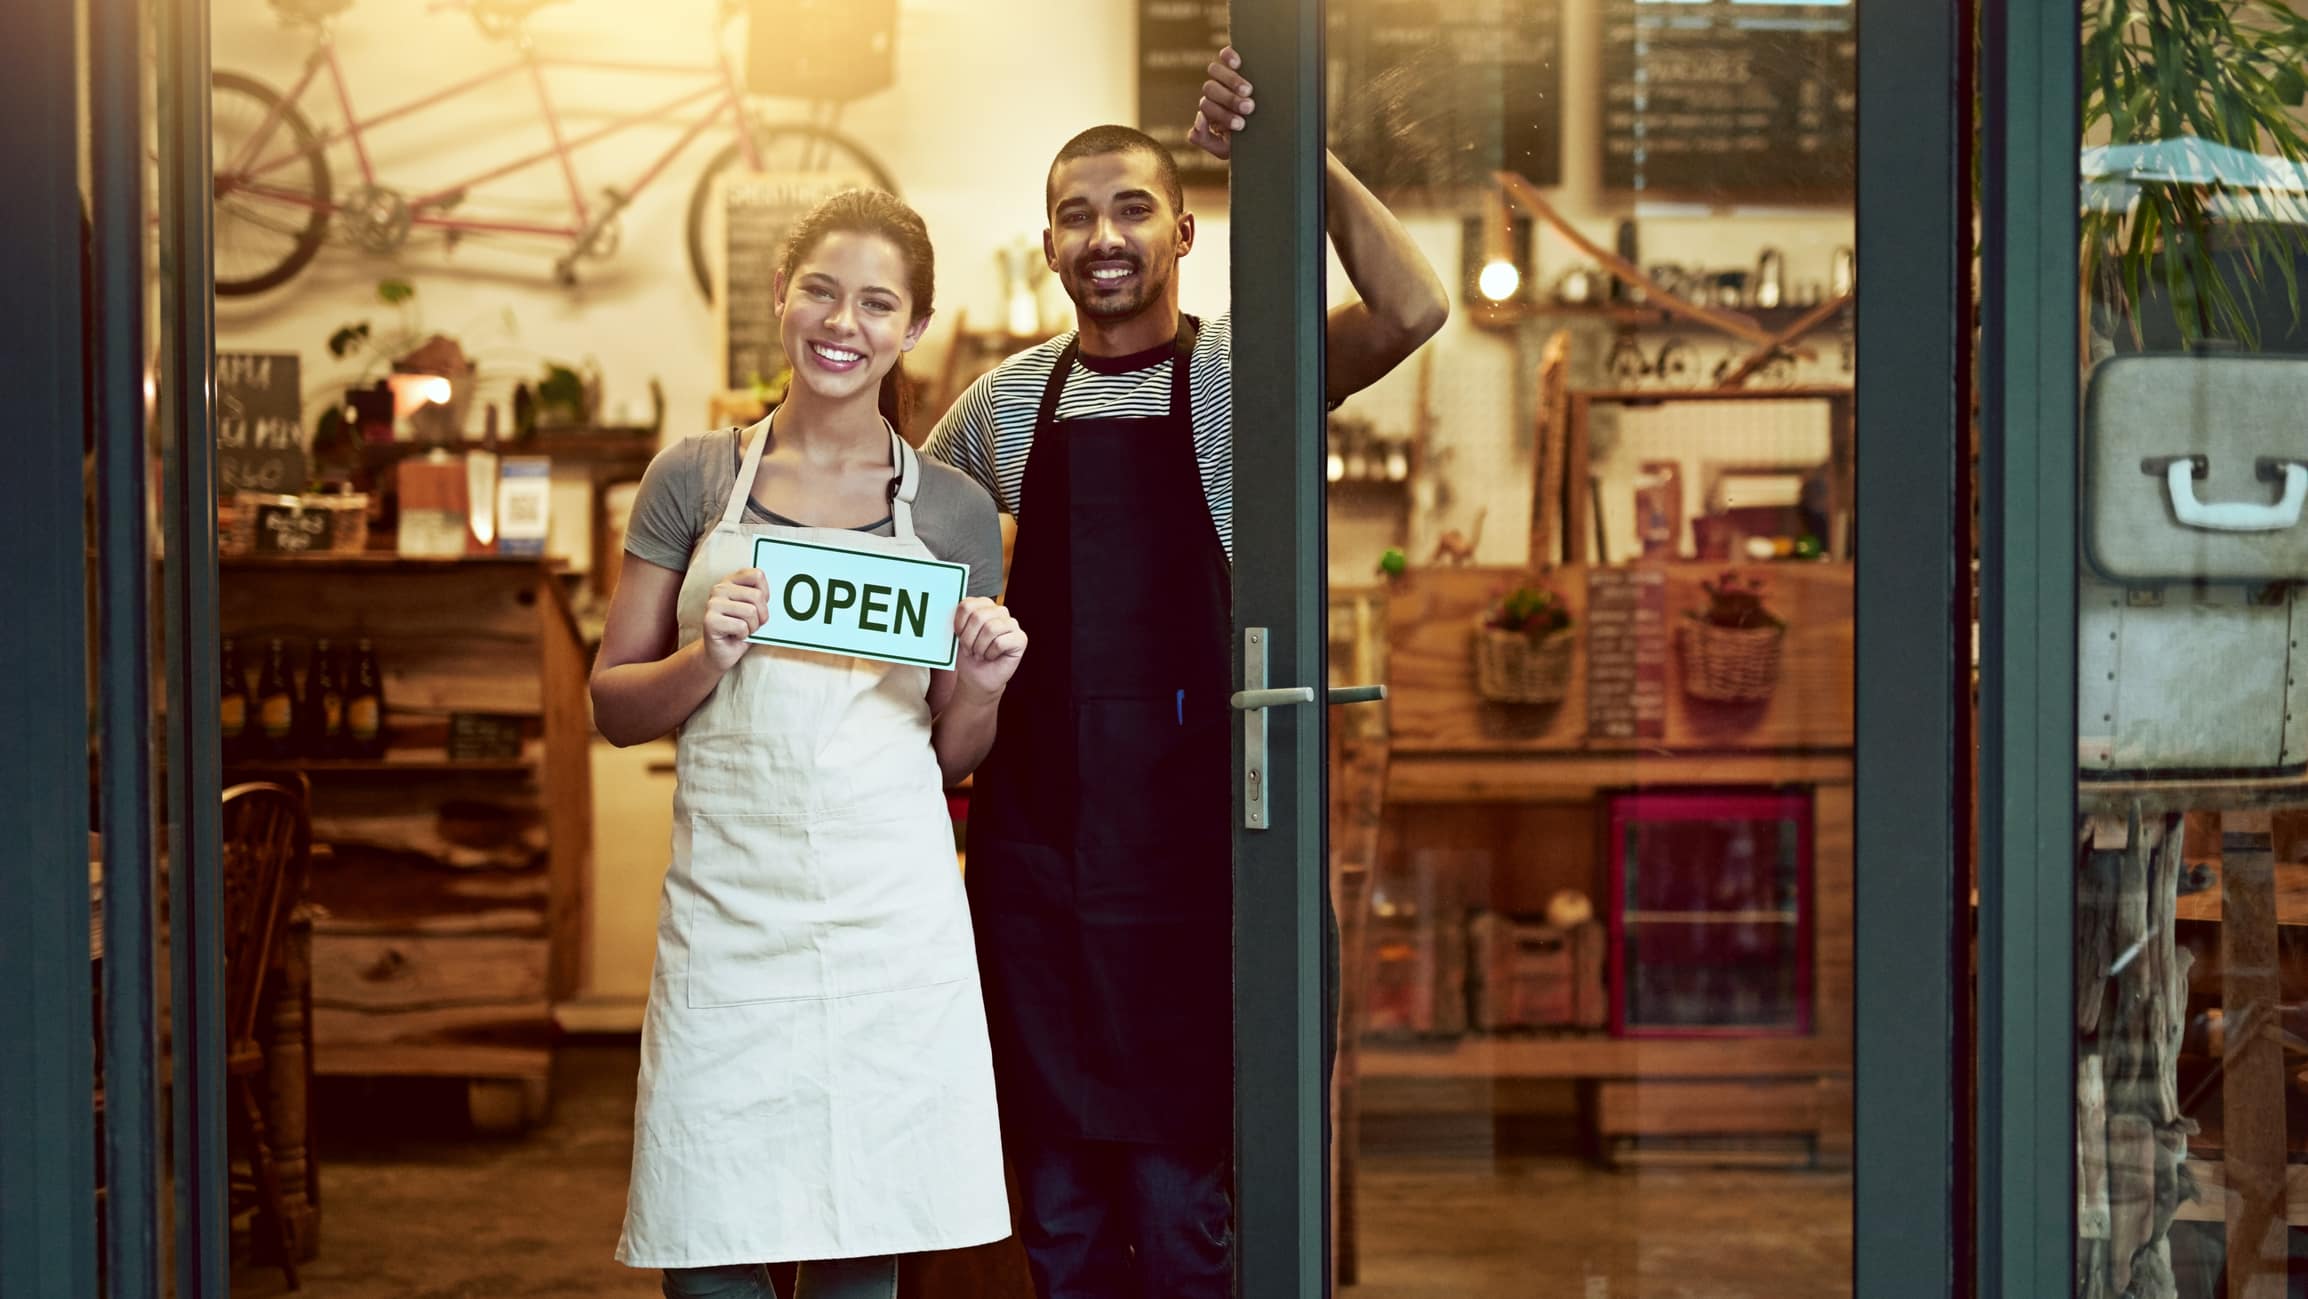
x: 821, y: 49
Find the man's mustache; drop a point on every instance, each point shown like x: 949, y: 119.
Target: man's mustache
x: 1082, y: 264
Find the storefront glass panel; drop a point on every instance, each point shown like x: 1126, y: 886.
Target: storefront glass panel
x: 1594, y: 861
x: 2192, y: 373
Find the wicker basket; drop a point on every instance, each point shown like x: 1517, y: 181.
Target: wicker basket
x: 1511, y: 669
x: 1730, y: 664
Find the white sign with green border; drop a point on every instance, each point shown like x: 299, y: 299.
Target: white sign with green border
x: 888, y: 607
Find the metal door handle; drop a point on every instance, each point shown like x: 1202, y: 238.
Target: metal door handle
x: 1284, y: 695
x: 1254, y: 699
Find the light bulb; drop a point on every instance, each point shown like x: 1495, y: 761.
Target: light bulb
x: 1499, y: 280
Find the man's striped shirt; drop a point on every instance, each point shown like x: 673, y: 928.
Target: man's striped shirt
x: 990, y: 430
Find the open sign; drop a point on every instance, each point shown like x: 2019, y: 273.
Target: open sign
x: 889, y: 607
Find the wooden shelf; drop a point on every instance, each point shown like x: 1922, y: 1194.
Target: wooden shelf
x: 398, y: 762
x: 1595, y: 1055
x: 374, y: 561
x: 2211, y: 1176
x: 1710, y: 918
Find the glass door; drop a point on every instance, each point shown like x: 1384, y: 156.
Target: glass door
x: 1646, y: 879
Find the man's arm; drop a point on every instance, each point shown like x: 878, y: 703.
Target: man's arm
x: 1400, y: 301
x: 964, y: 438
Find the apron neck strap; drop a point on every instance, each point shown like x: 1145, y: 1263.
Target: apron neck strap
x: 742, y: 490
x: 904, y: 484
x: 1182, y: 367
x: 905, y: 480
x: 1181, y: 375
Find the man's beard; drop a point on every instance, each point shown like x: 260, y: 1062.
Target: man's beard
x: 1114, y: 306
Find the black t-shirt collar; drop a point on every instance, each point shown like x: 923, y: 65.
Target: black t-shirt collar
x: 1135, y: 361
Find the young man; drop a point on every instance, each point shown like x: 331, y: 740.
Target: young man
x: 1101, y: 850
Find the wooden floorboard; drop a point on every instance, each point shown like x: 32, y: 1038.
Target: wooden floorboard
x: 416, y: 1208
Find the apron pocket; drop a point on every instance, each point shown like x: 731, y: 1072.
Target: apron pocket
x: 1153, y: 770
x: 788, y: 908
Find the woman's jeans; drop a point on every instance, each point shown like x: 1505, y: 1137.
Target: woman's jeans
x: 844, y: 1278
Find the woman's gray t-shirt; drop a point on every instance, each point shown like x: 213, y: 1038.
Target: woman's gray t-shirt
x: 687, y: 487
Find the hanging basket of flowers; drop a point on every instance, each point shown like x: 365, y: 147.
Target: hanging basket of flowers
x: 1523, y: 648
x: 1731, y: 647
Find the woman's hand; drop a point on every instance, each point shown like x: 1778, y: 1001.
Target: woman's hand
x: 989, y: 644
x: 736, y: 608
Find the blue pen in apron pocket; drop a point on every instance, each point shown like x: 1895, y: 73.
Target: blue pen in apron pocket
x: 1181, y: 708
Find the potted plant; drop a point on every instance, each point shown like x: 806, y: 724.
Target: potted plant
x: 1523, y: 648
x: 2189, y: 192
x: 1731, y: 647
x: 435, y: 408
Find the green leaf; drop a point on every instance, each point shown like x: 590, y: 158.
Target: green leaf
x: 395, y: 292
x: 2289, y: 86
x: 348, y: 338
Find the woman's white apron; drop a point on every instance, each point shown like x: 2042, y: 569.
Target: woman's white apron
x: 815, y: 1078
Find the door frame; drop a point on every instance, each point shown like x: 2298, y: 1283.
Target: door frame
x: 1912, y: 204
x: 47, y: 1074
x: 2030, y: 135
x: 1281, y: 876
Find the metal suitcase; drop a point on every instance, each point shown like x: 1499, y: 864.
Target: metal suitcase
x: 2189, y: 611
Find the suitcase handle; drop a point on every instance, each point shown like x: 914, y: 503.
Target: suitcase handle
x: 2236, y: 516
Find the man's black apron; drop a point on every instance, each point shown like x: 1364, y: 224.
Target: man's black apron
x: 1101, y: 851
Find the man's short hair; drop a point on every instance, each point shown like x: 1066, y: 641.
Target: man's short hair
x: 1101, y: 140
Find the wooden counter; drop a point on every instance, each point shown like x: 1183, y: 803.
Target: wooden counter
x: 451, y: 911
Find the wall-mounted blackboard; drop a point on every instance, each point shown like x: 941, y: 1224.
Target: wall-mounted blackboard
x: 1439, y: 94
x: 260, y: 443
x: 757, y: 211
x: 1176, y: 41
x: 1422, y: 93
x: 1729, y: 99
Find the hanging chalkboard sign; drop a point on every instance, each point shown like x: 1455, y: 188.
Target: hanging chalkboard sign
x: 757, y: 211
x: 1730, y: 99
x: 1422, y: 93
x: 260, y: 442
x: 1626, y: 653
x: 1176, y: 41
x: 1436, y: 95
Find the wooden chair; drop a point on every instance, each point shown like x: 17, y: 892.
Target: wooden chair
x: 1357, y: 814
x: 267, y: 834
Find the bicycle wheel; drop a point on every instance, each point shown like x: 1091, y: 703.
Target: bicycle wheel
x: 268, y: 226
x: 787, y: 147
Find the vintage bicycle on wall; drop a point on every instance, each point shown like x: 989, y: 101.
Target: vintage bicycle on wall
x: 277, y: 203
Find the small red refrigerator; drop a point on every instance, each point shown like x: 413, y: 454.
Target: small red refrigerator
x: 1710, y: 913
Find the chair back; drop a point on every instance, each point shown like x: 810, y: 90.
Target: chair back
x: 267, y: 852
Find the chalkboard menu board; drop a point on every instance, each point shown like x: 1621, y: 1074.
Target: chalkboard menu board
x: 1727, y: 98
x: 260, y: 444
x: 757, y: 210
x: 1432, y: 93
x: 1626, y: 654
x: 1442, y: 93
x: 1176, y: 41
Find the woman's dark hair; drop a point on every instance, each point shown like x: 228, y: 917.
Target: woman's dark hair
x: 873, y: 212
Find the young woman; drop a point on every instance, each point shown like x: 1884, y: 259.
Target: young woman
x: 815, y: 1079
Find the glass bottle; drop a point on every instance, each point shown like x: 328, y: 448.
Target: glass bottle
x: 275, y: 704
x: 364, y: 724
x: 324, y: 710
x: 232, y: 709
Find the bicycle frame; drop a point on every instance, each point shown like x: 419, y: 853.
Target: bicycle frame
x: 428, y: 211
